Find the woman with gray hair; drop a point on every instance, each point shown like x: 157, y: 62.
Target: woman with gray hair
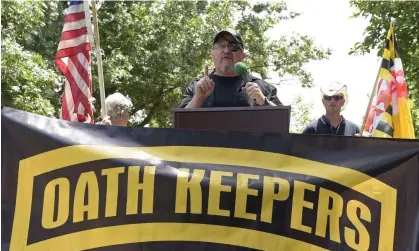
x: 118, y: 110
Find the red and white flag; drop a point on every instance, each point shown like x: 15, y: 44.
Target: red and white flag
x: 73, y: 60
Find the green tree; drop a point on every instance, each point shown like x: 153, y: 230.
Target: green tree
x: 406, y: 13
x: 152, y: 49
x: 35, y: 25
x: 28, y: 82
x: 300, y: 115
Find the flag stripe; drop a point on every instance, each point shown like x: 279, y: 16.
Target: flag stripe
x: 389, y: 109
x: 387, y: 118
x: 74, y: 17
x: 70, y: 102
x: 67, y: 35
x: 82, y: 71
x: 381, y: 134
x: 82, y: 48
x: 74, y: 25
x: 387, y: 64
x: 77, y: 93
x: 68, y: 109
x: 72, y: 42
x: 387, y: 44
x: 64, y: 107
x: 386, y: 128
x: 83, y: 62
x: 83, y: 58
x: 77, y: 73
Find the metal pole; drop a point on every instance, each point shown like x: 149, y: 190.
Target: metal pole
x: 374, y: 89
x: 99, y: 60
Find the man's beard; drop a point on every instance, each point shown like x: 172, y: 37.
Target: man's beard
x: 334, y: 109
x: 226, y: 68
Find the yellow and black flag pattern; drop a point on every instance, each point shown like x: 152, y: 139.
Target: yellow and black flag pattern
x: 390, y: 114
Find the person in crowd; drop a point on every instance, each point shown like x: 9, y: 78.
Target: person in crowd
x: 118, y: 110
x: 334, y: 97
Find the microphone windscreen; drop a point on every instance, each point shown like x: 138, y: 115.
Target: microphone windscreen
x: 240, y: 68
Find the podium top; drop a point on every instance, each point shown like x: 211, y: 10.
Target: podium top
x: 223, y: 109
x: 250, y: 119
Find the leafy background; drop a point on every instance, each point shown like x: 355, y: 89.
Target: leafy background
x: 151, y: 50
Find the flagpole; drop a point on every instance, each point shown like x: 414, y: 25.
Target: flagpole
x: 99, y: 60
x: 86, y: 6
x: 89, y: 26
x: 374, y: 89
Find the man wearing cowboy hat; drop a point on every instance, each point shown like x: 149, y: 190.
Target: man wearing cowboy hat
x: 334, y: 98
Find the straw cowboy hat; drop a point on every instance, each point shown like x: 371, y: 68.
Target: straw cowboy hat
x: 335, y: 88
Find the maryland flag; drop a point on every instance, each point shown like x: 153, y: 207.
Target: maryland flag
x: 389, y: 115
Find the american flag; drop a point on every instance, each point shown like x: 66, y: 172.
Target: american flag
x: 73, y: 60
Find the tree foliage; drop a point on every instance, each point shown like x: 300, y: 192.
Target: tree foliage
x: 27, y: 83
x: 152, y: 49
x: 300, y: 115
x: 406, y: 14
x: 27, y: 79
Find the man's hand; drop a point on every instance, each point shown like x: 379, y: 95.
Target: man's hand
x: 254, y: 92
x: 105, y: 121
x: 203, y: 88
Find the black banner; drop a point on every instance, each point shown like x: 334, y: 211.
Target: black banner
x: 73, y: 186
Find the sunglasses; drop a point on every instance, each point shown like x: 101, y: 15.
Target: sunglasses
x: 336, y: 97
x: 233, y: 46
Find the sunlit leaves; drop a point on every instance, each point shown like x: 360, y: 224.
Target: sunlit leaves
x: 26, y: 81
x: 150, y: 49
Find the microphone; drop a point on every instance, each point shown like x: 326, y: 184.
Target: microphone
x: 241, y: 70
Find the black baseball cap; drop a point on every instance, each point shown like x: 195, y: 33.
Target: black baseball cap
x: 234, y: 34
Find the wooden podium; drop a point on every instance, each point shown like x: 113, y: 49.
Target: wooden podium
x: 249, y: 119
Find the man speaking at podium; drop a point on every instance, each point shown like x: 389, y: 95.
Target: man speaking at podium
x: 223, y: 87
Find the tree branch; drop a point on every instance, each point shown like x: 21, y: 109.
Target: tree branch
x: 156, y: 104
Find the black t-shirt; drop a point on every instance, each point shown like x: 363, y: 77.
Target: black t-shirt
x: 322, y: 126
x: 228, y: 93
